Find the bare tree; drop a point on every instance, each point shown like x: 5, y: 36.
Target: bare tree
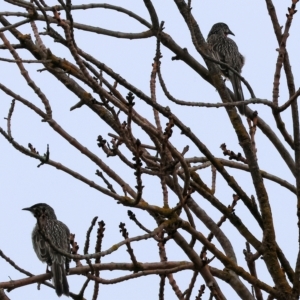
x: 150, y: 150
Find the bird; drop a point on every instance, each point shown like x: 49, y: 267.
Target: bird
x: 225, y: 49
x: 58, y: 233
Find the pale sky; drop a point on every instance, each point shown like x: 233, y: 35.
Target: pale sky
x: 23, y: 184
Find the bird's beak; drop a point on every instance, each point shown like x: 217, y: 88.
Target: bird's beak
x: 27, y: 208
x: 230, y: 32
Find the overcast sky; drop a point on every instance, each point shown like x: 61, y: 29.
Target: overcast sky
x: 23, y: 184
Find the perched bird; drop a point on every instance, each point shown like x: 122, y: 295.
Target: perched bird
x: 59, y: 234
x: 225, y: 50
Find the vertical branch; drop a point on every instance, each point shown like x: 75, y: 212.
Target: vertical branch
x: 296, y: 128
x: 164, y: 190
x: 165, y: 161
x: 282, y: 53
x: 38, y: 41
x: 188, y: 292
x: 163, y: 258
x: 201, y: 292
x: 178, y: 190
x: 43, y: 11
x: 130, y: 105
x: 74, y: 249
x: 100, y: 234
x: 10, y: 112
x: 279, y: 64
x: 153, y: 14
x: 88, y: 234
x: 138, y: 173
x: 129, y: 249
x: 87, y: 243
x: 83, y: 288
x: 252, y: 130
x: 68, y: 7
x: 213, y: 179
x: 250, y: 259
x: 155, y: 68
x: 162, y: 287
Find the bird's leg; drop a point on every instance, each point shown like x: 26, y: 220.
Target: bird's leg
x: 48, y: 264
x: 47, y: 270
x: 67, y: 265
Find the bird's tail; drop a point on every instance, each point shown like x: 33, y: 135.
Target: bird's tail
x: 60, y: 279
x: 238, y: 92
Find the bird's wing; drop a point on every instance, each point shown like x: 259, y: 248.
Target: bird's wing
x: 41, y: 247
x: 217, y: 51
x: 60, y: 238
